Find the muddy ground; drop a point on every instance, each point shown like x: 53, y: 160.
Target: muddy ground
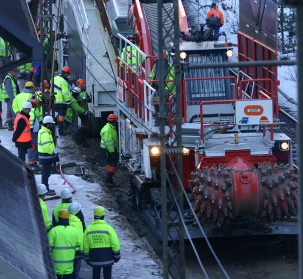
x: 248, y: 258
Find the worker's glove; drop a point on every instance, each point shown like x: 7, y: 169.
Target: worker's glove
x: 116, y: 260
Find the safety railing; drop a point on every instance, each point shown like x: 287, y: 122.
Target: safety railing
x: 230, y: 124
x: 82, y: 21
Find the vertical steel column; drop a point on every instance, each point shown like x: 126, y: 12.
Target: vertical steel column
x: 163, y: 145
x: 42, y: 18
x: 179, y: 136
x: 300, y: 137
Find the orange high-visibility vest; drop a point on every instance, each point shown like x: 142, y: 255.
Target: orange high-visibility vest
x: 26, y: 135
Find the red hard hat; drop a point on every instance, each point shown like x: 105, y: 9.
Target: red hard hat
x: 81, y: 82
x: 67, y: 69
x: 112, y: 117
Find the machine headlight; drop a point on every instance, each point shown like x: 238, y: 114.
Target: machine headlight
x: 284, y: 145
x: 185, y: 151
x: 183, y: 55
x: 154, y: 151
x: 229, y: 53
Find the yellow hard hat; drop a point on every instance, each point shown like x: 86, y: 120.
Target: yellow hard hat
x: 29, y: 84
x: 99, y: 211
x: 63, y: 213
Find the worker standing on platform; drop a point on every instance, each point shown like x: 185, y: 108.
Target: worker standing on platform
x: 64, y: 242
x: 215, y: 19
x: 66, y: 197
x: 25, y: 95
x: 46, y: 151
x: 74, y: 220
x: 41, y: 188
x: 110, y: 148
x: 22, y: 136
x: 10, y: 89
x: 101, y: 245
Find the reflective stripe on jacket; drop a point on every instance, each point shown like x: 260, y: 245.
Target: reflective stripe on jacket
x: 35, y: 114
x: 46, y: 146
x: 14, y: 87
x: 62, y: 93
x: 45, y: 214
x: 64, y: 241
x: 26, y: 135
x: 101, y: 244
x: 109, y: 138
x: 215, y: 12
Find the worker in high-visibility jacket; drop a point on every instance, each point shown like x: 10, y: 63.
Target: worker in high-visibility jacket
x: 66, y: 197
x: 41, y: 189
x: 10, y: 89
x: 22, y: 136
x: 74, y: 220
x: 83, y: 98
x: 64, y: 242
x: 46, y: 151
x: 63, y: 96
x: 25, y: 95
x: 215, y: 19
x: 109, y: 146
x: 101, y: 245
x: 35, y: 119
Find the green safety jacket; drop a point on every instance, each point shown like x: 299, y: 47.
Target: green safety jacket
x: 1, y: 89
x: 109, y: 138
x: 35, y: 113
x: 46, y: 146
x: 76, y: 107
x: 62, y: 93
x: 169, y: 72
x: 63, y: 205
x: 64, y: 241
x: 46, y: 44
x: 101, y: 244
x: 83, y: 100
x: 129, y: 55
x: 45, y: 214
x: 2, y: 48
x: 4, y: 92
x: 20, y: 99
x: 77, y: 224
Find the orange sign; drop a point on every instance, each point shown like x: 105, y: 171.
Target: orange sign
x: 253, y: 110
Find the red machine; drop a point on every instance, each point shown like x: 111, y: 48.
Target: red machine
x: 237, y: 167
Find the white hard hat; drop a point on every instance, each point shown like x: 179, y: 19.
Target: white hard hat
x: 48, y: 119
x: 76, y: 89
x: 27, y: 105
x: 74, y: 208
x: 66, y: 194
x: 41, y: 188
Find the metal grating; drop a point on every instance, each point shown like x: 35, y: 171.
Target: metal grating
x: 23, y: 239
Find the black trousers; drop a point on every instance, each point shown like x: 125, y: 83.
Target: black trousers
x: 46, y: 172
x: 22, y: 153
x: 65, y: 276
x: 107, y: 272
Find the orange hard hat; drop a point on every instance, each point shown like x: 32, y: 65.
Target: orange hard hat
x: 67, y: 69
x: 46, y: 84
x: 112, y: 117
x: 81, y: 82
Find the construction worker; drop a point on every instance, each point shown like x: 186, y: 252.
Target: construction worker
x: 66, y: 197
x: 101, y: 245
x: 83, y: 99
x: 35, y: 119
x: 10, y: 89
x: 45, y: 94
x: 25, y: 95
x: 41, y: 189
x: 110, y: 148
x: 46, y: 151
x: 215, y: 19
x: 74, y: 220
x: 22, y: 136
x: 24, y: 69
x: 64, y: 242
x: 63, y: 96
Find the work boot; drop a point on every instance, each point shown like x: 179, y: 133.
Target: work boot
x: 50, y: 192
x: 1, y: 126
x: 10, y: 124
